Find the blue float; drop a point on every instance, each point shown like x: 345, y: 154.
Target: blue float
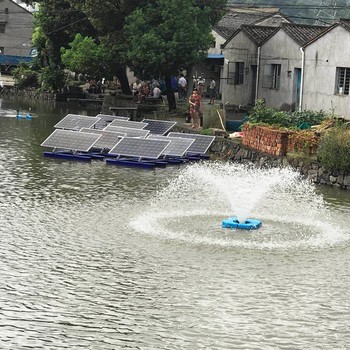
x: 67, y: 156
x: 249, y: 224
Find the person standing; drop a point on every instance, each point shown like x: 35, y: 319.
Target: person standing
x: 182, y: 87
x: 200, y: 86
x: 212, y: 90
x: 195, y: 106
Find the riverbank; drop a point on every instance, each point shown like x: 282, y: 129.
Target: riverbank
x: 233, y: 150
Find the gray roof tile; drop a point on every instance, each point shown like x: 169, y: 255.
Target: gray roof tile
x: 259, y: 34
x: 233, y: 20
x: 302, y: 33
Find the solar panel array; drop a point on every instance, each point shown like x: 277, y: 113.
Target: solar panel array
x: 140, y: 148
x: 159, y: 127
x: 128, y: 124
x: 130, y: 132
x: 76, y: 122
x: 107, y: 140
x: 71, y: 140
x: 105, y: 119
x: 178, y: 146
x: 201, y: 143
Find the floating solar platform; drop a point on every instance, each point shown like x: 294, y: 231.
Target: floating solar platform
x: 130, y: 132
x: 131, y: 163
x: 128, y: 124
x: 139, y: 148
x: 108, y: 116
x: 177, y: 147
x: 76, y: 122
x: 68, y: 156
x: 200, y: 145
x: 159, y: 127
x: 107, y: 140
x: 106, y: 119
x: 71, y: 140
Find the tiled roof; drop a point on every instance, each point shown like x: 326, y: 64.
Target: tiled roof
x: 345, y: 22
x: 233, y: 20
x: 301, y: 33
x: 259, y: 34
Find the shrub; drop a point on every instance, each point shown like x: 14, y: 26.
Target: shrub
x: 304, y: 141
x: 25, y: 76
x: 262, y: 115
x: 334, y: 149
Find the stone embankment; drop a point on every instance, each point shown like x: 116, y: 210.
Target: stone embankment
x: 233, y: 150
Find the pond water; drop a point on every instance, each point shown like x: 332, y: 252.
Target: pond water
x: 102, y: 257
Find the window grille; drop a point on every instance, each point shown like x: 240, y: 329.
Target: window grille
x: 272, y: 79
x: 343, y: 81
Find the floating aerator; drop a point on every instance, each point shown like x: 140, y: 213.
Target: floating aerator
x: 249, y: 224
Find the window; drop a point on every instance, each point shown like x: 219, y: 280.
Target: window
x: 2, y: 27
x: 2, y: 49
x: 276, y: 76
x: 272, y: 76
x: 6, y: 11
x: 235, y: 73
x: 342, y: 81
x: 239, y: 74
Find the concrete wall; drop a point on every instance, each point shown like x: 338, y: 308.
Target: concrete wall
x: 321, y: 60
x: 239, y: 49
x: 280, y: 49
x: 18, y: 30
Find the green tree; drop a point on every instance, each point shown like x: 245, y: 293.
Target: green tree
x: 85, y: 56
x: 167, y: 36
x: 56, y: 25
x: 108, y: 18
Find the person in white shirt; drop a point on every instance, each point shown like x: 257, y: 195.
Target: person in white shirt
x: 212, y: 90
x: 182, y: 87
x: 156, y: 92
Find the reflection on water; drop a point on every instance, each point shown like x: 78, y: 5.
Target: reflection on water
x: 101, y: 257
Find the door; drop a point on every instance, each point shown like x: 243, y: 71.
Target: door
x: 296, y: 89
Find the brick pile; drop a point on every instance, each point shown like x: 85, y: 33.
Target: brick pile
x: 265, y: 139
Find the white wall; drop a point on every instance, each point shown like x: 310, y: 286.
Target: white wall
x: 280, y: 49
x: 239, y: 49
x: 18, y: 31
x: 321, y: 60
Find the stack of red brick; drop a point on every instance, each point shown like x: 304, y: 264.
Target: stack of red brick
x: 265, y: 139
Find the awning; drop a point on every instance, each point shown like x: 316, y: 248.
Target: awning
x: 215, y: 55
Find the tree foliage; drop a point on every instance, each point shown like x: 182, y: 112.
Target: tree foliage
x: 85, y: 56
x: 160, y: 42
x: 176, y: 34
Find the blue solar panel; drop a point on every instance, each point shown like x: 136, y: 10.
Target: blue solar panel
x: 71, y: 140
x: 178, y: 146
x: 159, y: 127
x: 130, y: 132
x: 106, y: 119
x: 201, y: 143
x: 128, y: 124
x: 107, y: 140
x: 140, y: 148
x: 76, y: 122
